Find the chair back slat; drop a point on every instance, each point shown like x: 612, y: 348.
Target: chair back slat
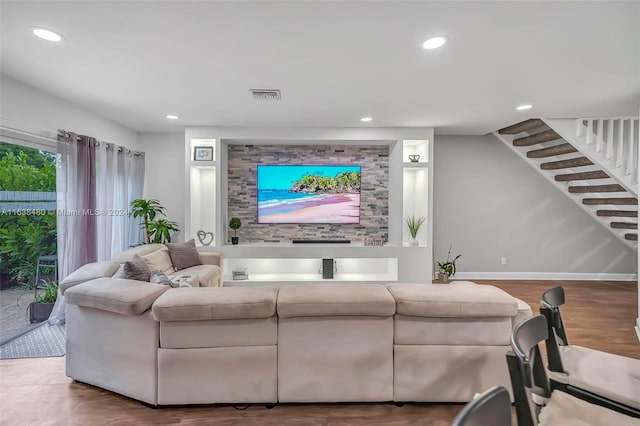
x: 553, y: 297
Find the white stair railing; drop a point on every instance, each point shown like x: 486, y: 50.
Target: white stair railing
x: 615, y: 138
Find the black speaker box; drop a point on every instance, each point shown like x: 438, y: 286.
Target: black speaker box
x: 327, y: 269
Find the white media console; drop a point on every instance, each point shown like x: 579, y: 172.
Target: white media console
x: 269, y: 263
x: 410, y: 186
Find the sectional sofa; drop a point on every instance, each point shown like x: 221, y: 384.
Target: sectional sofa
x: 296, y: 343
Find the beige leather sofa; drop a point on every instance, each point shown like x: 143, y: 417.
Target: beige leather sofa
x: 209, y: 274
x: 302, y: 343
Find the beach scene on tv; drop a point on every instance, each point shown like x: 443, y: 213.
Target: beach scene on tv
x: 308, y: 194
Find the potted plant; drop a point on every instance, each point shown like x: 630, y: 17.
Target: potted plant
x: 235, y: 223
x: 41, y: 307
x: 414, y: 223
x: 447, y: 268
x: 156, y: 230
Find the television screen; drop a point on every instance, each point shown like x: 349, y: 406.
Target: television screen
x: 308, y: 194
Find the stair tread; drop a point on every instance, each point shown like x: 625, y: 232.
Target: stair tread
x: 596, y: 188
x: 546, y: 136
x: 626, y: 201
x: 566, y: 164
x: 631, y: 237
x: 564, y: 148
x: 624, y: 225
x: 618, y: 213
x: 522, y: 126
x: 596, y: 174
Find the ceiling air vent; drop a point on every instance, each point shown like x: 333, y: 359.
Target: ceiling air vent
x: 265, y: 94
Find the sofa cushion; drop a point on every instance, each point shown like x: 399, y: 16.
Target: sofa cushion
x: 565, y: 409
x: 137, y: 269
x: 140, y: 250
x: 208, y: 275
x: 127, y: 297
x: 89, y: 272
x: 196, y: 304
x: 313, y: 300
x: 613, y: 376
x: 453, y: 300
x: 184, y: 255
x: 159, y: 260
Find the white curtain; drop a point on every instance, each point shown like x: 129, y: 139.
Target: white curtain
x: 96, y: 182
x: 119, y: 180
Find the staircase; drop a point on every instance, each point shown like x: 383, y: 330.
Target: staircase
x: 593, y: 161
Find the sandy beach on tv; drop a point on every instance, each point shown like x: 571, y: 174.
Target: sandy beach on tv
x: 328, y: 208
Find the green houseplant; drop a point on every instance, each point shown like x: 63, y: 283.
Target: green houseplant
x: 448, y: 267
x: 41, y: 307
x: 414, y: 223
x: 235, y: 223
x: 156, y: 230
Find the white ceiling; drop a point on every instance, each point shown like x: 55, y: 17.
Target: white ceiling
x: 135, y: 62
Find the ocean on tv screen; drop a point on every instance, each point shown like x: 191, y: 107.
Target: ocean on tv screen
x: 308, y: 194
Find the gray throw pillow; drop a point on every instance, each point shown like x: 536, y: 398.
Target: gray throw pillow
x: 137, y: 269
x: 159, y: 277
x: 184, y: 255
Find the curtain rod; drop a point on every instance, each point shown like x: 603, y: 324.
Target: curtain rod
x: 65, y: 134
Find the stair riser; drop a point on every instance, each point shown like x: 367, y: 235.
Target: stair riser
x: 616, y: 213
x: 542, y: 137
x: 553, y: 151
x: 624, y: 225
x: 610, y: 201
x: 523, y: 126
x: 598, y: 174
x: 596, y: 189
x: 566, y: 164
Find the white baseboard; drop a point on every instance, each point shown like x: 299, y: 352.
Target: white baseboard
x: 544, y: 276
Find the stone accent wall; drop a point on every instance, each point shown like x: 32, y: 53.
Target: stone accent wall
x: 374, y: 195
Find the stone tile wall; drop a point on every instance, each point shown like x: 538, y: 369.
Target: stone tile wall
x: 374, y: 196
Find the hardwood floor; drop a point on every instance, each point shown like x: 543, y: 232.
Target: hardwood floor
x: 37, y: 392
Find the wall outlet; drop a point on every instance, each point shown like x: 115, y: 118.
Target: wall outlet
x: 503, y: 260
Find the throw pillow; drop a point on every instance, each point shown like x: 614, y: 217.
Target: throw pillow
x: 184, y: 255
x: 137, y: 269
x: 159, y: 277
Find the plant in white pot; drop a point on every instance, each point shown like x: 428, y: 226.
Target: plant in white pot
x: 414, y: 223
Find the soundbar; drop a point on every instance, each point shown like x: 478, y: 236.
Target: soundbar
x: 300, y: 241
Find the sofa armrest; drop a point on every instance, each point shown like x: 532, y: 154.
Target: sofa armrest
x: 89, y: 272
x: 524, y: 312
x: 212, y: 258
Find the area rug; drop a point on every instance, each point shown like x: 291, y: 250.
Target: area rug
x: 44, y: 341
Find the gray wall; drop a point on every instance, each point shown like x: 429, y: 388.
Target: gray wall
x: 165, y: 173
x: 489, y: 203
x: 374, y: 202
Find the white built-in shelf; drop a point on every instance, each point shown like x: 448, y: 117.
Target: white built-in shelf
x: 413, y: 165
x: 291, y: 270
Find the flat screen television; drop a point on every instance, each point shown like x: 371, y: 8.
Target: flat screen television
x: 308, y: 194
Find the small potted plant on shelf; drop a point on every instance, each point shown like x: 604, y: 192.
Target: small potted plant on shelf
x: 41, y: 307
x: 414, y: 223
x: 447, y: 268
x: 235, y: 224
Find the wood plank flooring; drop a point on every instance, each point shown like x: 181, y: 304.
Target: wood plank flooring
x: 37, y: 392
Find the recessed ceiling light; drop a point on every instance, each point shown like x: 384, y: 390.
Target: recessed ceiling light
x: 47, y: 35
x: 524, y: 107
x: 172, y: 117
x: 435, y: 42
x: 366, y: 119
